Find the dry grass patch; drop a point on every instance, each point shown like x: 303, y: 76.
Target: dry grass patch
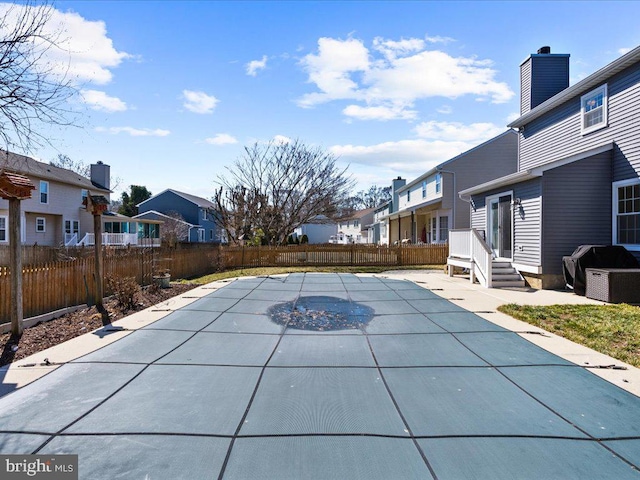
x: 610, y: 329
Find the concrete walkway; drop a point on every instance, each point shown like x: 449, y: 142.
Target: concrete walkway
x: 328, y: 376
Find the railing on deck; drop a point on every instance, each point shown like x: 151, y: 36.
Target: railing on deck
x: 460, y: 243
x: 112, y: 239
x: 469, y: 246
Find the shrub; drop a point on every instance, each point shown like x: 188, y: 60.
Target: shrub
x: 304, y: 239
x: 125, y: 290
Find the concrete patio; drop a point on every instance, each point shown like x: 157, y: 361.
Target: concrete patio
x: 403, y: 375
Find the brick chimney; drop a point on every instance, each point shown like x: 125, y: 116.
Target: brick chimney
x: 542, y: 75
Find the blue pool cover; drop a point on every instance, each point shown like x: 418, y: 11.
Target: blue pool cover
x: 327, y: 376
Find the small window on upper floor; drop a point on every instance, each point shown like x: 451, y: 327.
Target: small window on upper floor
x: 593, y: 110
x: 44, y: 191
x: 408, y: 195
x: 424, y: 189
x: 84, y: 194
x: 438, y: 182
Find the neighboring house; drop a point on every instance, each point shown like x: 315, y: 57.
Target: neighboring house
x: 198, y: 212
x: 578, y: 169
x: 318, y: 230
x: 354, y: 228
x: 378, y: 231
x: 183, y: 231
x: 426, y: 208
x: 54, y: 215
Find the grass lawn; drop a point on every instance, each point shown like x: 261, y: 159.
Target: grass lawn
x: 610, y: 329
x: 248, y: 272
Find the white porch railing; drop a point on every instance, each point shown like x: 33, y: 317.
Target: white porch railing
x: 120, y: 239
x: 468, y: 249
x: 70, y: 239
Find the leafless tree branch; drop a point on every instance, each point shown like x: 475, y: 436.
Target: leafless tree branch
x: 277, y: 187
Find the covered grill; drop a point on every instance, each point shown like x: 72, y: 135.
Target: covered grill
x: 594, y: 256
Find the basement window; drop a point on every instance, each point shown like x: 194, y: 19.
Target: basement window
x: 593, y: 110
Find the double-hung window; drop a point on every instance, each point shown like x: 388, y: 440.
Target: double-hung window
x: 424, y: 189
x: 44, y: 191
x: 626, y: 213
x: 438, y: 182
x: 3, y: 229
x: 41, y: 224
x: 593, y: 109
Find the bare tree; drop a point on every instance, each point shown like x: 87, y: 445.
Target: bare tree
x: 274, y: 188
x: 33, y: 91
x: 174, y: 229
x: 84, y: 169
x: 78, y: 166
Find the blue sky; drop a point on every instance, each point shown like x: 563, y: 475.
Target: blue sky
x: 173, y: 91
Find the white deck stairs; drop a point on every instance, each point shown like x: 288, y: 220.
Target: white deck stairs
x: 469, y: 250
x: 504, y: 275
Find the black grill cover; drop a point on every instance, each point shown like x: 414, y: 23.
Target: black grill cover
x: 594, y: 256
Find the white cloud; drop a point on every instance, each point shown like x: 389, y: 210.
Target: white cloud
x: 83, y: 50
x: 408, y: 158
x: 445, y: 109
x: 134, y: 132
x: 98, y: 100
x: 624, y: 50
x: 440, y: 141
x: 392, y: 49
x: 439, y: 39
x: 199, y: 102
x: 379, y: 113
x: 222, y: 139
x: 395, y: 74
x: 255, y: 65
x: 281, y: 139
x: 455, y: 131
x: 330, y: 70
x: 512, y: 116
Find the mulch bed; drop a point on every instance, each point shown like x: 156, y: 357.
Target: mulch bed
x: 47, y: 334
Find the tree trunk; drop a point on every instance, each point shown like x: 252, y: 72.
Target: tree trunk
x: 97, y: 233
x: 15, y: 259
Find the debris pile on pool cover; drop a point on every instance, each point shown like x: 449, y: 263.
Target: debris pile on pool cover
x: 321, y: 313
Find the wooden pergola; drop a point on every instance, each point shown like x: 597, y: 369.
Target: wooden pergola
x: 15, y: 188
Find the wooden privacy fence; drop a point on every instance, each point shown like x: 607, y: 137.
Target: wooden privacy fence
x: 336, y: 255
x: 53, y: 285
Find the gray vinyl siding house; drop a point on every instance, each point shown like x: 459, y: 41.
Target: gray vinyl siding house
x: 198, y: 212
x: 429, y: 206
x: 578, y: 167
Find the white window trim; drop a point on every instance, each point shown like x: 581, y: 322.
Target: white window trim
x: 424, y: 189
x: 6, y: 229
x: 44, y: 225
x: 438, y: 183
x: 44, y: 182
x: 614, y: 213
x: 605, y: 110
